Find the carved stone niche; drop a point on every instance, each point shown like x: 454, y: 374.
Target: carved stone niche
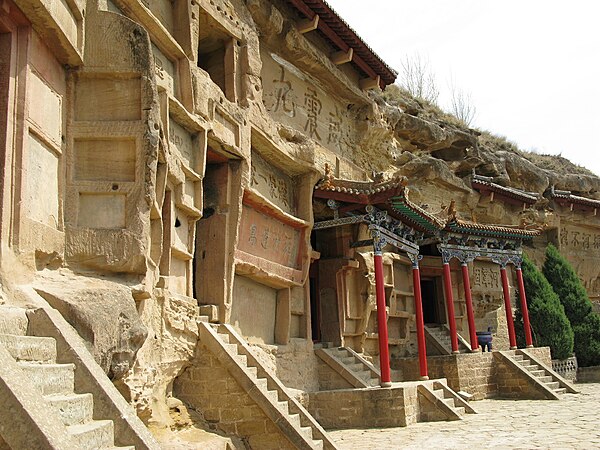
x: 219, y: 43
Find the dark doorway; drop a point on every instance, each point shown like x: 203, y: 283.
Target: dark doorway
x: 430, y: 301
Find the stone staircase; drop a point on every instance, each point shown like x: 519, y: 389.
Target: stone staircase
x: 292, y: 419
x: 350, y: 365
x: 548, y: 383
x: 439, y: 338
x: 44, y: 392
x: 447, y: 404
x: 36, y: 356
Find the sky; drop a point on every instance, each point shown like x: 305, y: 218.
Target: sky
x: 531, y: 67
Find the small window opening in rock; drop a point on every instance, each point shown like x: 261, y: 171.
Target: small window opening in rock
x: 177, y: 222
x: 115, y: 187
x: 213, y: 43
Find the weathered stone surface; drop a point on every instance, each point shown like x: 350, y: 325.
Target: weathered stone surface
x: 104, y: 314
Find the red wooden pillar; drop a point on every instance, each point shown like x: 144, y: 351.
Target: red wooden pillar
x: 419, y: 319
x: 509, y: 317
x: 524, y: 310
x: 384, y: 352
x: 469, y: 302
x: 450, y: 307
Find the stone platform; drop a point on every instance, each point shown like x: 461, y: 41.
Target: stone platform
x: 569, y: 424
x: 400, y: 405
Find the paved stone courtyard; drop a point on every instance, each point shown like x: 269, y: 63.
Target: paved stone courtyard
x: 571, y: 423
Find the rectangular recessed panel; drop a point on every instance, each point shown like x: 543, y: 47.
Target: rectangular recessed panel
x: 46, y: 110
x: 182, y: 141
x: 41, y: 175
x: 108, y: 99
x: 254, y: 309
x: 101, y: 211
x: 104, y: 160
x: 164, y: 70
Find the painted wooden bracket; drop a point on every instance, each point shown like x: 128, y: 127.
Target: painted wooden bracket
x: 339, y: 58
x: 370, y: 83
x: 308, y: 25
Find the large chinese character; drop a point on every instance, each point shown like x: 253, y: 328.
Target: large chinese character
x: 284, y: 95
x: 586, y: 240
x: 597, y: 241
x: 564, y: 237
x: 335, y: 127
x: 575, y: 242
x: 252, y: 238
x: 264, y: 242
x: 313, y: 109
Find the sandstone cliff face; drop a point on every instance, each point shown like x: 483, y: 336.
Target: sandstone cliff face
x: 183, y: 125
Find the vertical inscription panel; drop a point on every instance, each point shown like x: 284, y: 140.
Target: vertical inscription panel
x: 182, y: 141
x: 165, y: 71
x: 272, y: 183
x: 268, y: 238
x: 46, y: 110
x: 42, y: 195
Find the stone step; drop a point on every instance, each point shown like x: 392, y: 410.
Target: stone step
x: 284, y: 407
x: 262, y: 384
x: 295, y: 419
x: 439, y: 393
x: 448, y: 401
x: 355, y: 367
x: 243, y: 359
x: 224, y: 337
x: 531, y: 367
x: 554, y: 385
x: 253, y: 371
x: 365, y: 375
x: 348, y: 360
x: 518, y: 357
x: 51, y: 378
x: 307, y: 432
x: 93, y: 435
x: 545, y: 379
x: 30, y: 348
x: 273, y: 396
x: 560, y: 391
x: 317, y: 444
x: 373, y: 382
x: 233, y: 348
x: 460, y: 410
x: 73, y: 408
x: 538, y: 373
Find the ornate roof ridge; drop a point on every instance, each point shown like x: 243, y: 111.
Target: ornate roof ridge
x: 331, y: 183
x: 528, y: 197
x: 577, y: 199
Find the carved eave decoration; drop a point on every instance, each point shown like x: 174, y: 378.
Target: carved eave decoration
x: 469, y: 230
x: 566, y: 198
x: 485, y: 185
x: 358, y: 192
x: 349, y: 47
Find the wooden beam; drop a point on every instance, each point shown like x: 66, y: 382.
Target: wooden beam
x: 370, y: 83
x: 308, y: 25
x: 339, y: 58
